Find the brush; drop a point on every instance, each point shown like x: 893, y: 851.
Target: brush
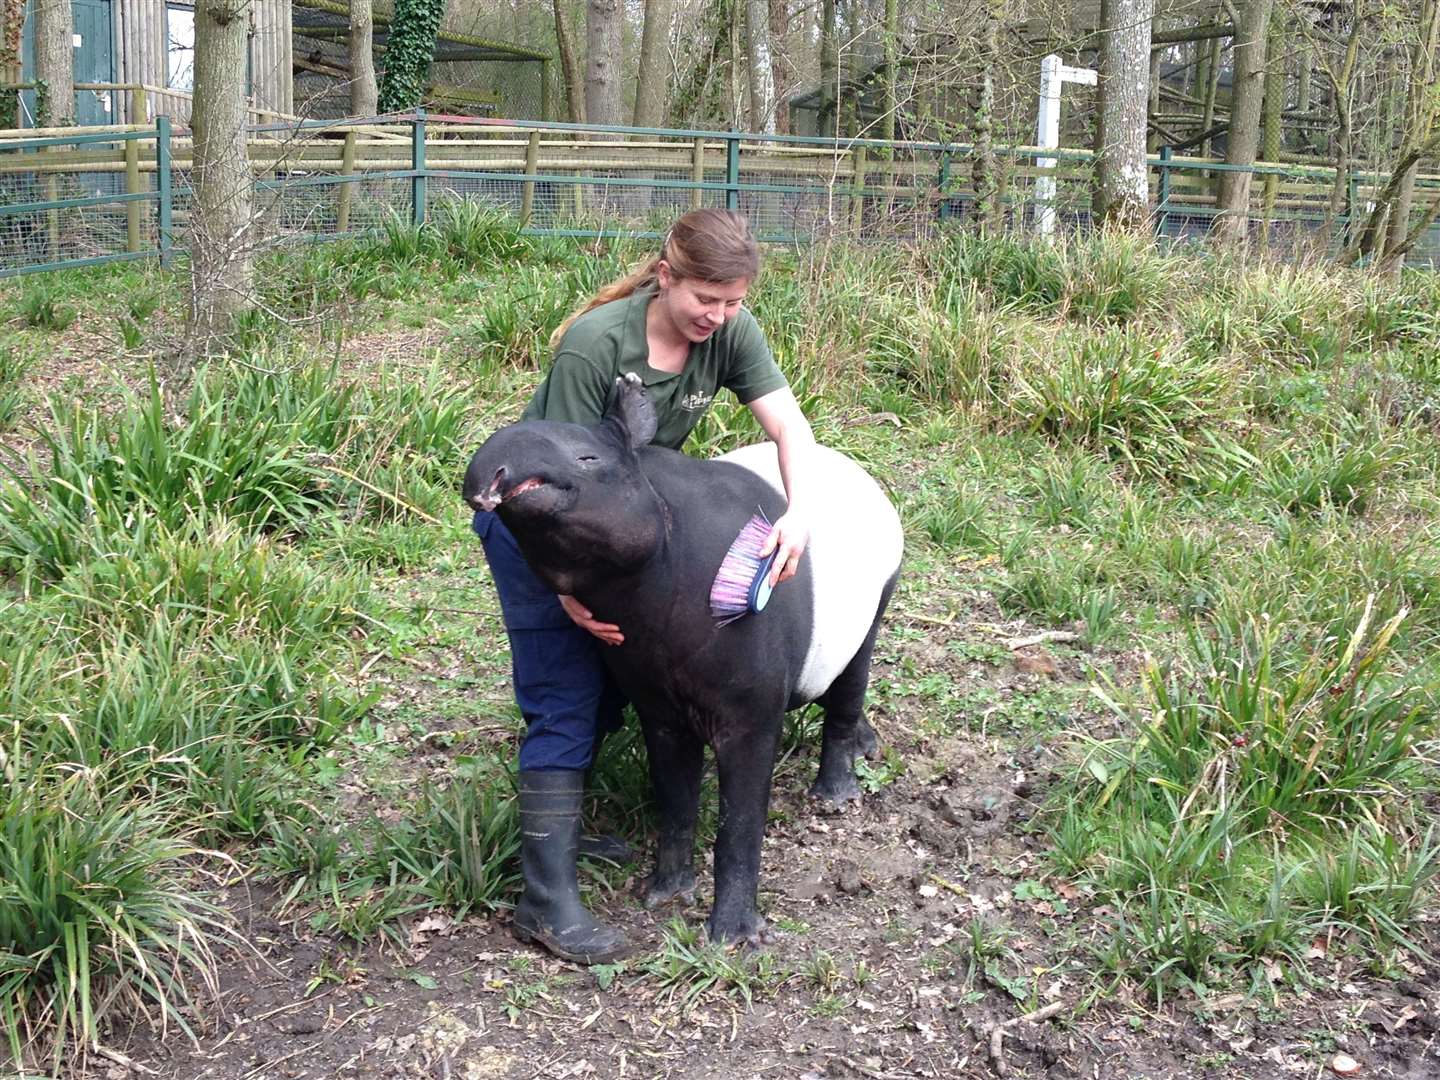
x: 742, y: 584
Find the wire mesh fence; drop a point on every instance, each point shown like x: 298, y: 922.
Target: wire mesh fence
x: 103, y: 195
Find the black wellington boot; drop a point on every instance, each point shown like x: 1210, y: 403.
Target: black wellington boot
x: 549, y: 911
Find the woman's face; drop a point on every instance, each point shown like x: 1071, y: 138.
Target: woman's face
x: 699, y: 308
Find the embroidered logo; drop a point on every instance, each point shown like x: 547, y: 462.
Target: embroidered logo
x: 695, y: 402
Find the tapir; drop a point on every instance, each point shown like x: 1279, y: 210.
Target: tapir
x: 637, y: 534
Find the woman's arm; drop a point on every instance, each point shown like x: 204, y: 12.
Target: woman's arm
x: 779, y: 414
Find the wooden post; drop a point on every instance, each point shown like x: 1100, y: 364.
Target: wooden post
x: 132, y: 187
x: 347, y: 188
x: 857, y: 201
x: 697, y: 174
x: 527, y: 189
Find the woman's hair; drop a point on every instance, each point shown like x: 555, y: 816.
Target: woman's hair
x: 704, y: 245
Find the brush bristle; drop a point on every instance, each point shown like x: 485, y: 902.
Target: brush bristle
x: 730, y: 593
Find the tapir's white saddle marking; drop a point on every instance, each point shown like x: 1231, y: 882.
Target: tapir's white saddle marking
x: 855, y: 547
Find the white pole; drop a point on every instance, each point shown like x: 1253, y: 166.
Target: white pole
x: 1047, y: 136
x: 1053, y: 74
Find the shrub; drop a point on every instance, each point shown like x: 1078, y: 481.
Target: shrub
x: 1129, y: 397
x: 95, y: 911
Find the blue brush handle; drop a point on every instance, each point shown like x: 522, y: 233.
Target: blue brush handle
x: 760, y: 588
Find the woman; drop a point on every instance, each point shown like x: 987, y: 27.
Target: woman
x: 677, y: 322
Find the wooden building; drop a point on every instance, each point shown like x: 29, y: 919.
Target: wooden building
x: 137, y: 57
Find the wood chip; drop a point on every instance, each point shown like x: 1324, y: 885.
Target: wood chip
x: 1344, y: 1065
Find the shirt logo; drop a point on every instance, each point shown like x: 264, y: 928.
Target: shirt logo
x: 695, y: 402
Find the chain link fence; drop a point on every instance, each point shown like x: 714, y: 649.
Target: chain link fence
x: 103, y: 196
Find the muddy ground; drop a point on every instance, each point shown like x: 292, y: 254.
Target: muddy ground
x: 873, y: 967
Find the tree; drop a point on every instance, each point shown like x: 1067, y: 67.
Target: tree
x: 409, y: 53
x: 760, y: 73
x: 1247, y: 94
x: 54, y: 63
x: 220, y: 249
x: 828, y: 120
x: 364, y: 97
x: 1120, y: 174
x: 602, y: 70
x: 781, y: 69
x: 569, y: 67
x: 1422, y: 110
x: 12, y: 21
x: 654, y: 59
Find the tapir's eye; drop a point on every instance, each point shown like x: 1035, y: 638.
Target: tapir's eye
x: 587, y: 457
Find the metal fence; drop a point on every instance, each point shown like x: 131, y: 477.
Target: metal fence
x: 103, y: 195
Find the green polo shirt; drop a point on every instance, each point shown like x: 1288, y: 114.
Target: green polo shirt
x: 609, y: 341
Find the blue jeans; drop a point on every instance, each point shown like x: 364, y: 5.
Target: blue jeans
x: 564, y: 691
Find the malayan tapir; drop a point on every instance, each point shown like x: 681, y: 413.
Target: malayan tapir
x: 637, y: 533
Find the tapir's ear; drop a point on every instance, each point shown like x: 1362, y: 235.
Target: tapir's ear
x: 629, y: 406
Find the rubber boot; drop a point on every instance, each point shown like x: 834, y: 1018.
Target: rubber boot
x: 550, y: 912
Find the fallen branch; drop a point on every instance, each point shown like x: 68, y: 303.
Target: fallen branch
x: 997, y: 1032
x: 1040, y: 638
x: 121, y: 1060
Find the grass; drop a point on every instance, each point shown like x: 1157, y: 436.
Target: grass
x: 210, y: 586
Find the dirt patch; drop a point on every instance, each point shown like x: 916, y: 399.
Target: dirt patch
x: 904, y: 931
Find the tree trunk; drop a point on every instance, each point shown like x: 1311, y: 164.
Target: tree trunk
x: 569, y: 68
x: 828, y: 119
x: 654, y: 63
x: 364, y: 94
x: 1273, y: 110
x: 758, y: 66
x: 1212, y: 85
x: 603, y: 24
x: 54, y: 25
x: 889, y: 99
x: 409, y: 54
x: 1124, y: 70
x: 1247, y: 95
x: 1421, y: 108
x: 220, y: 233
x: 12, y: 20
x: 1107, y: 19
x: 780, y: 66
x: 983, y: 173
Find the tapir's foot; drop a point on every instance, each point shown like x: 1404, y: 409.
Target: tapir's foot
x: 661, y: 889
x: 745, y: 929
x: 837, y: 790
x: 867, y: 745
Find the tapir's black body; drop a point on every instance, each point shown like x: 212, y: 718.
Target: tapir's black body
x: 636, y: 533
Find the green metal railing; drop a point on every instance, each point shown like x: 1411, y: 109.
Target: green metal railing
x: 590, y: 181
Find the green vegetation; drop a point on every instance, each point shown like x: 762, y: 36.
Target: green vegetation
x: 212, y: 588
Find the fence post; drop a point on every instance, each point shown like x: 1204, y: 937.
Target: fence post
x: 162, y: 186
x: 697, y: 174
x: 943, y: 181
x: 347, y: 166
x: 1162, y: 209
x: 732, y: 171
x: 417, y: 164
x: 527, y: 189
x: 857, y: 203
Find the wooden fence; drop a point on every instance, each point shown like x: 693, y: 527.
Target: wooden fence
x: 71, y: 188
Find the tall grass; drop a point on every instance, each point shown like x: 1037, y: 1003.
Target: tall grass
x: 97, y: 909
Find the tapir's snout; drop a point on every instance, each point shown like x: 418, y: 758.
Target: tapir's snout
x: 491, y: 495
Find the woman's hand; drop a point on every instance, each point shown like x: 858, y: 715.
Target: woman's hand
x: 790, y: 535
x: 582, y: 617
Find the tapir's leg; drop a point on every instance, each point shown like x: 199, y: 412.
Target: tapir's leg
x: 676, y: 758
x: 847, y: 734
x: 746, y: 761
